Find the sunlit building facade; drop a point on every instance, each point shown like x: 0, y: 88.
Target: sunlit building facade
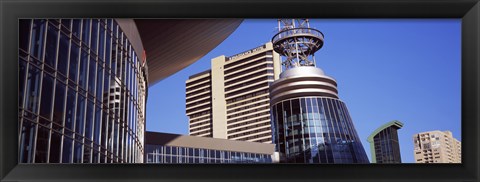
x: 231, y: 100
x: 82, y: 91
x: 165, y: 148
x: 437, y: 147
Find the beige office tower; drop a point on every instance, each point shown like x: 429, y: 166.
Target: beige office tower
x: 437, y: 147
x: 231, y: 101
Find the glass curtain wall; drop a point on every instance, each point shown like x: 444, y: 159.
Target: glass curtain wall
x: 315, y: 130
x: 82, y: 93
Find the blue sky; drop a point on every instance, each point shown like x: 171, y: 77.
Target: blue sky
x: 386, y: 69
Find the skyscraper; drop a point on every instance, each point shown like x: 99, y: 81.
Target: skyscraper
x: 310, y: 123
x: 231, y: 101
x: 384, y: 143
x: 437, y: 147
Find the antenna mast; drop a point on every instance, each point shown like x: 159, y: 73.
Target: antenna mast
x: 297, y: 42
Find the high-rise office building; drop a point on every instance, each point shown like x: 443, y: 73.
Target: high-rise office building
x: 174, y: 148
x: 310, y: 123
x: 231, y: 100
x: 437, y: 147
x: 384, y: 145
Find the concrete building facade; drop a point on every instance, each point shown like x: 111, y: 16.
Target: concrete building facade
x: 437, y: 147
x: 231, y: 101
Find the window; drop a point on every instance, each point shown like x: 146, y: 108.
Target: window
x: 38, y: 30
x: 91, y: 76
x: 82, y: 80
x: 74, y: 55
x: 58, y: 111
x: 63, y: 54
x: 27, y: 135
x: 47, y: 91
x: 86, y: 31
x: 24, y: 33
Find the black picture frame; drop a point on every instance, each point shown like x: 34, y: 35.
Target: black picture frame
x: 467, y: 10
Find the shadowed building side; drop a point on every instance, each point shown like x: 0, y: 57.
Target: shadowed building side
x: 384, y: 145
x: 173, y: 44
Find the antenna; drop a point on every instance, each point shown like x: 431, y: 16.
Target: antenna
x: 297, y: 42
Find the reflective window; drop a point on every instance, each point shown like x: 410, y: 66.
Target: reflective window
x: 89, y: 120
x: 77, y: 158
x: 70, y: 111
x: 101, y: 42
x: 24, y: 33
x: 38, y: 29
x: 51, y: 46
x: 63, y: 54
x: 76, y: 27
x: 58, y: 112
x: 55, y: 149
x: 63, y: 79
x: 22, y: 70
x: 74, y: 57
x: 41, y: 152
x: 91, y: 76
x: 315, y: 130
x: 82, y: 78
x: 27, y: 135
x: 93, y: 40
x: 86, y: 31
x: 80, y: 115
x: 47, y: 95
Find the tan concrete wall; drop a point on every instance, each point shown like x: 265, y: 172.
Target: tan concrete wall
x: 218, y: 99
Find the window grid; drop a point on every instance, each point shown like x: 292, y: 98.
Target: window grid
x: 173, y: 154
x: 315, y: 130
x: 70, y: 62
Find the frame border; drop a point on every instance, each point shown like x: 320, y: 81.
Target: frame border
x: 468, y: 10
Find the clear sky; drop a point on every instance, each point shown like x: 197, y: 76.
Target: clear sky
x: 386, y: 69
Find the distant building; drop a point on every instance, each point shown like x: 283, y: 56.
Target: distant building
x: 173, y: 148
x: 384, y: 143
x: 437, y: 147
x: 231, y: 101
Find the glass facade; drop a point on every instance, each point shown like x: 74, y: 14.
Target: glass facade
x: 315, y: 130
x: 387, y: 149
x: 82, y: 93
x: 173, y: 154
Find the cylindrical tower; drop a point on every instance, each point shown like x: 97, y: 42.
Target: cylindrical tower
x: 310, y: 124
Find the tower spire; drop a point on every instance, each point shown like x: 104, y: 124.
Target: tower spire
x: 297, y: 42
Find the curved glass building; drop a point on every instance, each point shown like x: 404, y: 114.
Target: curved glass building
x: 310, y: 124
x: 82, y: 91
